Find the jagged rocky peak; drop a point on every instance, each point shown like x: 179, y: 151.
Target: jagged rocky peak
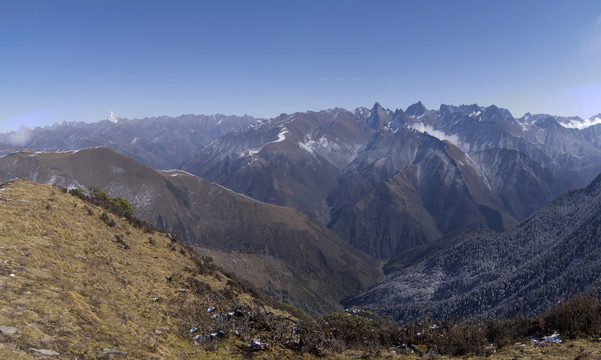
x: 361, y: 112
x: 448, y: 113
x: 547, y: 122
x: 494, y: 113
x: 471, y: 110
x: 399, y: 119
x: 416, y: 109
x: 378, y: 116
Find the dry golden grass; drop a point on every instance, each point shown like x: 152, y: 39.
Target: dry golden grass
x: 77, y: 289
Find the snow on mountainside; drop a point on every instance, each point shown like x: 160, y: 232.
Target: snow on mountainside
x: 339, y: 166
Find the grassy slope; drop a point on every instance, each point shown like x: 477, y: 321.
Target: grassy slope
x: 77, y: 290
x: 325, y: 268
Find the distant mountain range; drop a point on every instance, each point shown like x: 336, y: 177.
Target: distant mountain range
x: 162, y: 143
x: 384, y: 180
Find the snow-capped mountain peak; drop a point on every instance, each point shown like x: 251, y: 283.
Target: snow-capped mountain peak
x: 112, y: 118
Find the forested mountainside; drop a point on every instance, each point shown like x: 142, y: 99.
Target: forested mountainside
x: 550, y: 255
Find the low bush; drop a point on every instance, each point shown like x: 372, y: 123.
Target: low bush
x: 578, y: 316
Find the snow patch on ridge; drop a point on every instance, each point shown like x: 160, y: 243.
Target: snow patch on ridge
x: 248, y: 153
x: 176, y: 172
x: 311, y: 145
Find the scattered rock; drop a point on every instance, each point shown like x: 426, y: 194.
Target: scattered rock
x: 48, y: 338
x: 199, y: 339
x: 157, y: 331
x: 193, y: 330
x: 236, y: 313
x: 218, y: 334
x: 211, y: 309
x: 256, y: 345
x: 8, y: 330
x: 555, y: 338
x: 111, y: 351
x: 45, y: 352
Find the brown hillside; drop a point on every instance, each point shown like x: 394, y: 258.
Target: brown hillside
x: 311, y: 267
x: 82, y: 283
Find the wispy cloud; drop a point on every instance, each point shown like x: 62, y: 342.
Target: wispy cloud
x: 441, y: 135
x: 592, y: 41
x: 20, y: 137
x: 583, y: 124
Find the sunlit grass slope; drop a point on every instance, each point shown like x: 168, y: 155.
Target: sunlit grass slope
x: 75, y: 285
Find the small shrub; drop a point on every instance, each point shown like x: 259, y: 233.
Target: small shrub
x: 578, y: 316
x: 123, y: 204
x: 121, y: 241
x: 107, y: 219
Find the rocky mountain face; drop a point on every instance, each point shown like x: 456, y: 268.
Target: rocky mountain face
x: 309, y: 266
x: 385, y: 180
x: 293, y: 160
x: 406, y: 188
x: 371, y: 177
x: 159, y: 142
x: 553, y: 253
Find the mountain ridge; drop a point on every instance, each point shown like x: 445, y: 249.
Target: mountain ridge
x: 303, y: 160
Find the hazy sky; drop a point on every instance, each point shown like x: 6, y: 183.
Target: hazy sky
x: 78, y: 60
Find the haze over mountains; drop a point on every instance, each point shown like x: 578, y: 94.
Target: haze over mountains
x: 305, y: 186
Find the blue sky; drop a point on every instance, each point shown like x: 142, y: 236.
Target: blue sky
x: 79, y: 60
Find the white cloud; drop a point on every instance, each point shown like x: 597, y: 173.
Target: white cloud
x: 441, y: 135
x: 582, y: 124
x: 592, y: 41
x: 20, y: 137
